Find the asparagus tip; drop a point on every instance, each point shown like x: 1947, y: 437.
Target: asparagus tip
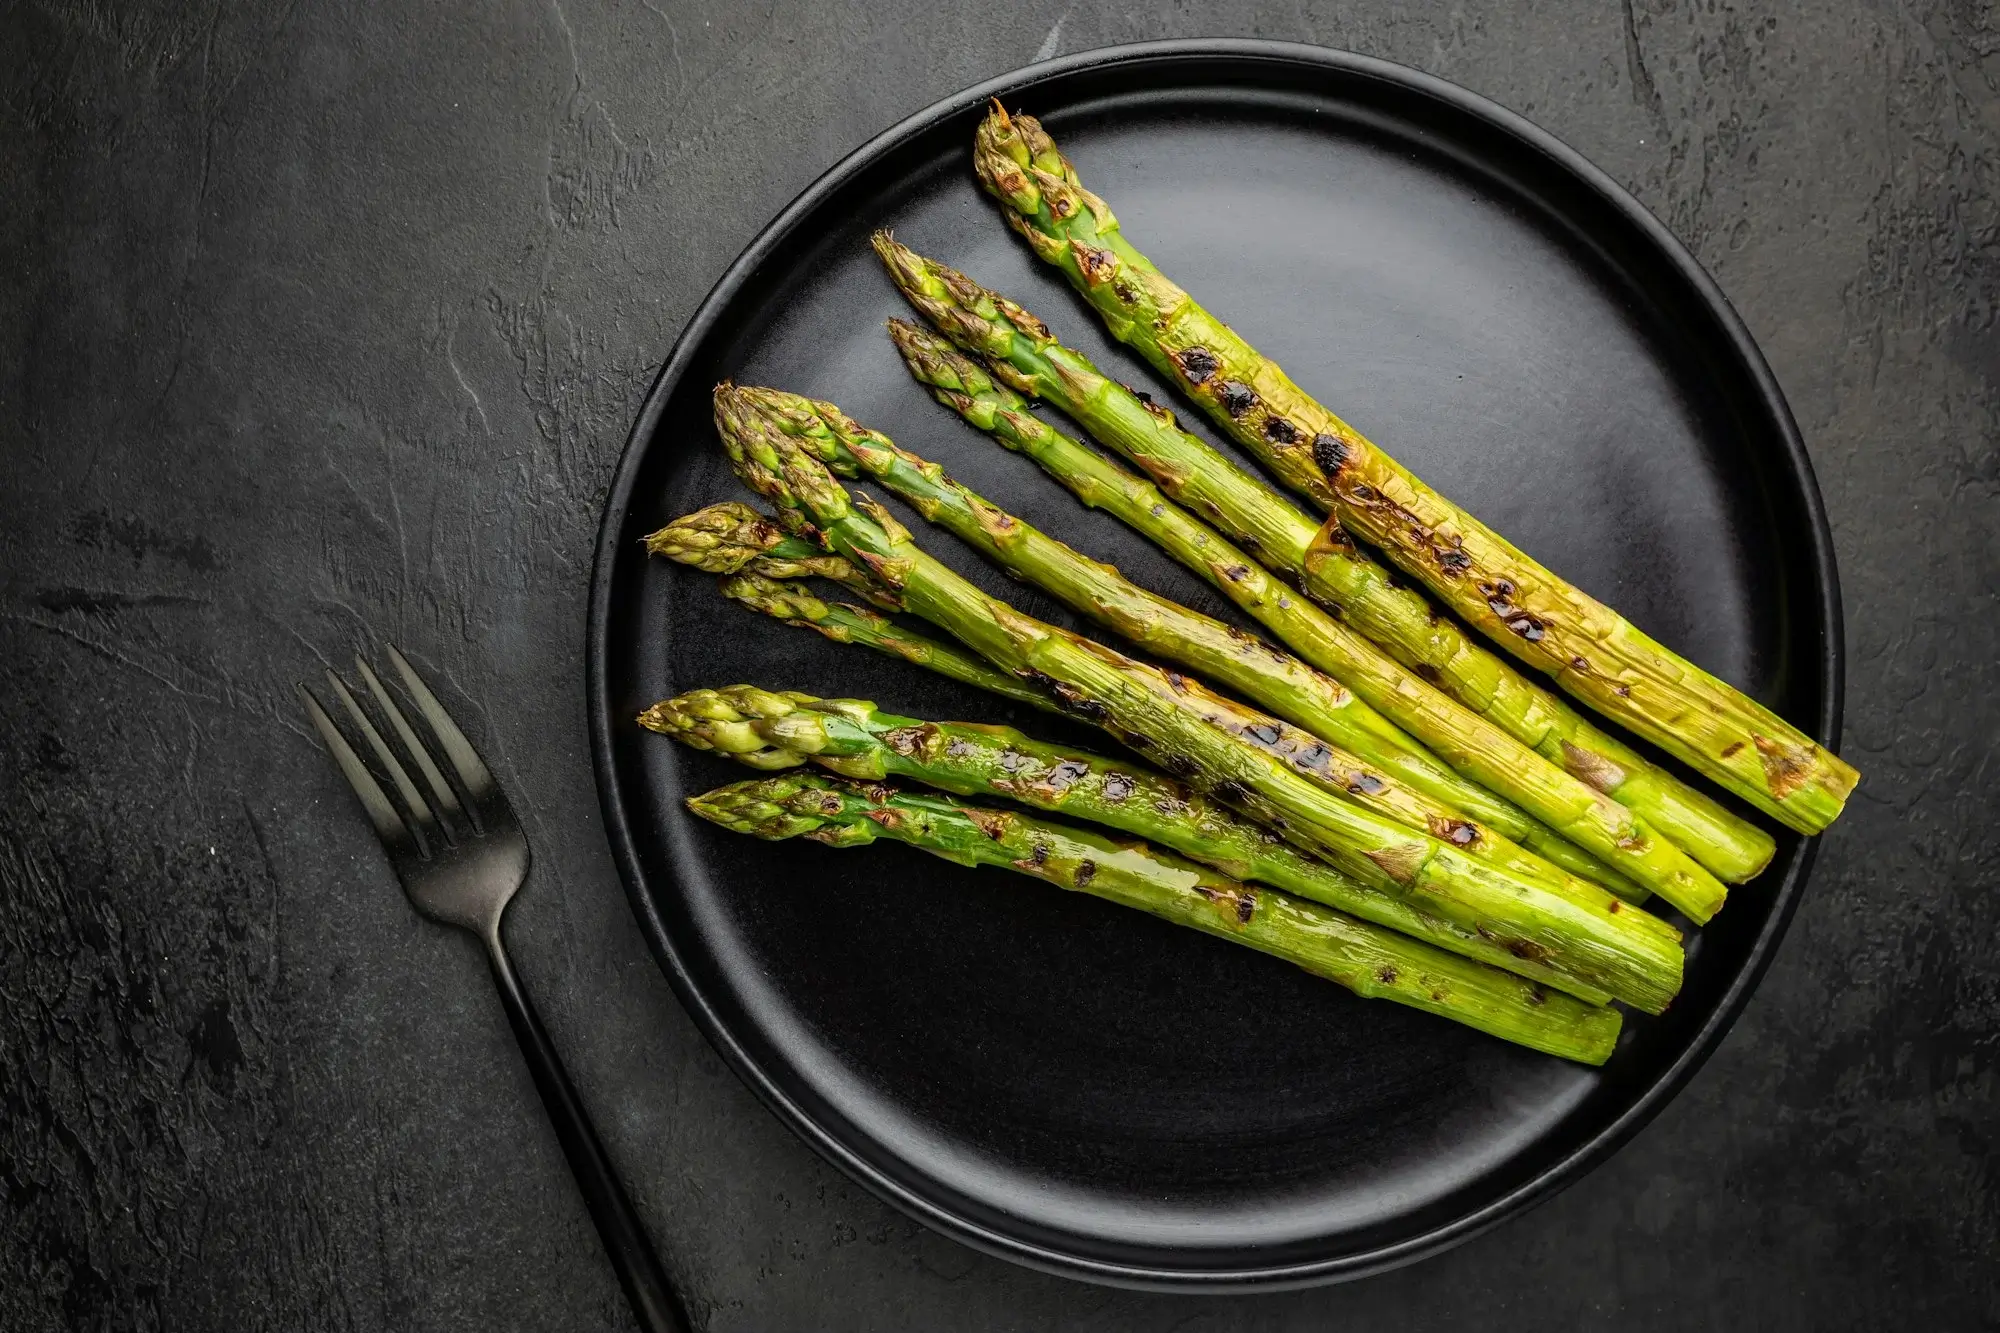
x: 720, y: 539
x: 789, y: 806
x: 762, y: 807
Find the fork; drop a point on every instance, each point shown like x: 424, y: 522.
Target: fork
x: 461, y: 855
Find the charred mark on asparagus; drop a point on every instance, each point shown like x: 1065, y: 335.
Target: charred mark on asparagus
x: 1401, y: 862
x: 905, y: 740
x: 1097, y: 266
x: 1197, y: 364
x: 1064, y: 775
x: 1457, y: 832
x: 1500, y: 600
x: 1529, y: 950
x: 1237, y: 397
x: 1329, y: 453
x: 1786, y: 767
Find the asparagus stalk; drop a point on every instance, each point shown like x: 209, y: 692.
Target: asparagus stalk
x: 1471, y: 744
x: 1371, y: 962
x: 760, y: 563
x: 731, y: 537
x: 1412, y: 787
x: 844, y: 623
x: 1607, y: 944
x: 1330, y: 568
x: 1589, y: 649
x: 855, y: 739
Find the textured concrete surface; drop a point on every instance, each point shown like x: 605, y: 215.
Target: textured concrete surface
x: 323, y: 321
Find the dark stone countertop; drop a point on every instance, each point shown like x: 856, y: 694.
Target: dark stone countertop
x: 323, y: 321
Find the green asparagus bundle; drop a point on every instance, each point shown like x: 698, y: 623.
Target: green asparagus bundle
x: 1606, y: 944
x: 855, y: 739
x: 1331, y: 569
x: 1589, y: 649
x: 1467, y: 741
x: 1412, y: 786
x: 1294, y: 872
x: 843, y: 623
x: 1373, y: 963
x: 737, y: 722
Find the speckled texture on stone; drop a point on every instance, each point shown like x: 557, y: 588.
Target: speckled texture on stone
x: 322, y: 322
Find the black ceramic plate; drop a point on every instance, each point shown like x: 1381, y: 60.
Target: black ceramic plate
x: 1076, y: 1086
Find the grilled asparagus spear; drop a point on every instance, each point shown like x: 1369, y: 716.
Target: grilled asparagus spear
x: 855, y: 739
x: 1372, y: 962
x: 762, y: 564
x: 731, y: 537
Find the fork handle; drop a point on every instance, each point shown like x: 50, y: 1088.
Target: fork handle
x: 653, y: 1301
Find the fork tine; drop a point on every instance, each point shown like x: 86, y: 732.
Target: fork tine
x: 389, y: 826
x: 447, y: 800
x: 472, y: 771
x: 422, y: 821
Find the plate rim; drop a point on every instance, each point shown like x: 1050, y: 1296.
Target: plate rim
x: 1740, y: 347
